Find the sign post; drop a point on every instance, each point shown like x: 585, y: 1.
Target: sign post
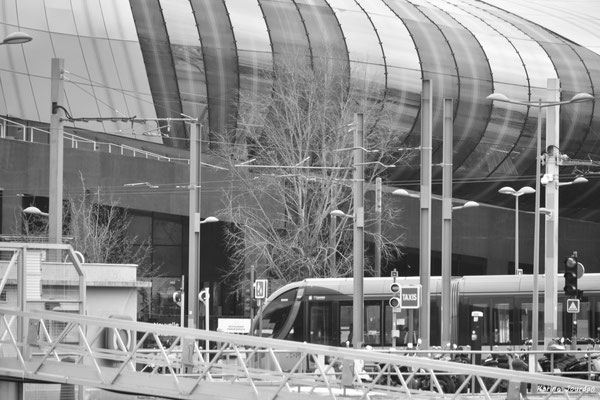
x: 261, y: 287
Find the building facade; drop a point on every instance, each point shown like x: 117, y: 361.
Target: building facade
x: 163, y: 60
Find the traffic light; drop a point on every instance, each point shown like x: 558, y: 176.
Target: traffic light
x: 395, y: 299
x: 571, y: 276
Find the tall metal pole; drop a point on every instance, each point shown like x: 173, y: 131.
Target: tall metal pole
x: 517, y: 234
x: 55, y: 181
x: 377, y: 258
x: 194, y: 226
x: 536, y: 234
x: 425, y: 205
x: 446, y: 320
x: 358, y: 238
x: 551, y: 240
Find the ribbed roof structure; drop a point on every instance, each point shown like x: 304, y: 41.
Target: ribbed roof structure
x: 168, y: 58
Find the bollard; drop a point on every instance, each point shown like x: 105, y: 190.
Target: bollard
x: 517, y: 388
x: 514, y: 390
x: 347, y: 374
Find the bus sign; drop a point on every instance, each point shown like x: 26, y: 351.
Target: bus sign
x: 410, y: 296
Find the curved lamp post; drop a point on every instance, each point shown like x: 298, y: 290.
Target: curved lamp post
x: 549, y: 297
x: 517, y: 194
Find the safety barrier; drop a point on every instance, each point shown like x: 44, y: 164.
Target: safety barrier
x: 237, y: 367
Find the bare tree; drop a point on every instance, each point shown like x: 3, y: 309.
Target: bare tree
x: 99, y: 229
x: 292, y: 154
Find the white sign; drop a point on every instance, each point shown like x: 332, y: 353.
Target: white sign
x: 573, y: 306
x: 410, y: 296
x: 234, y: 325
x: 260, y: 288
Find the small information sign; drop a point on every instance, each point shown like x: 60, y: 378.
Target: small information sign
x: 573, y: 306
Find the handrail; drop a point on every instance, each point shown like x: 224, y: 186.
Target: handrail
x: 31, y: 134
x: 196, y: 373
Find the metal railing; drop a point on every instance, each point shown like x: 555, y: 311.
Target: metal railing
x: 14, y: 130
x: 110, y: 354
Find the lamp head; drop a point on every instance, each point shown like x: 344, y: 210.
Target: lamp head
x: 526, y: 190
x: 507, y: 190
x: 17, y: 38
x: 579, y: 97
x: 498, y: 97
x: 34, y: 211
x: 405, y: 193
x: 579, y: 179
x: 470, y: 204
x: 210, y: 219
x: 338, y: 213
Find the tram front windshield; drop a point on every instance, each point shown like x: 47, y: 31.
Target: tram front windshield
x: 274, y: 316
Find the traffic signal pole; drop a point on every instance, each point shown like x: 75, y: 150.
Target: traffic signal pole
x: 572, y: 274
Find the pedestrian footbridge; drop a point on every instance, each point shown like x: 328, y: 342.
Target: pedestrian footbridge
x: 110, y: 354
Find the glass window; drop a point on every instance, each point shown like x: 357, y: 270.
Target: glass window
x: 168, y: 259
x: 168, y: 232
x: 502, y: 322
x: 372, y: 324
x: 140, y: 227
x: 321, y: 331
x: 276, y: 314
x: 401, y: 324
x: 526, y: 313
x: 485, y: 330
x: 345, y: 324
x: 583, y: 320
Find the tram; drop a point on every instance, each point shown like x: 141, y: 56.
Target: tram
x: 320, y: 310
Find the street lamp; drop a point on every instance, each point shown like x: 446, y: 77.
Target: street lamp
x: 35, y: 211
x: 17, y: 38
x: 517, y: 194
x: 576, y: 181
x: 406, y: 193
x: 550, y: 288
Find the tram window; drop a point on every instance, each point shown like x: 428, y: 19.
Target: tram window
x: 583, y: 320
x: 560, y: 311
x: 345, y: 324
x: 502, y: 322
x: 276, y: 314
x: 526, y: 315
x: 320, y: 323
x: 483, y: 307
x: 401, y: 324
x: 372, y: 334
x: 296, y: 332
x: 597, y: 320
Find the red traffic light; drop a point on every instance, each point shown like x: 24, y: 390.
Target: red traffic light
x: 570, y: 276
x: 395, y: 287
